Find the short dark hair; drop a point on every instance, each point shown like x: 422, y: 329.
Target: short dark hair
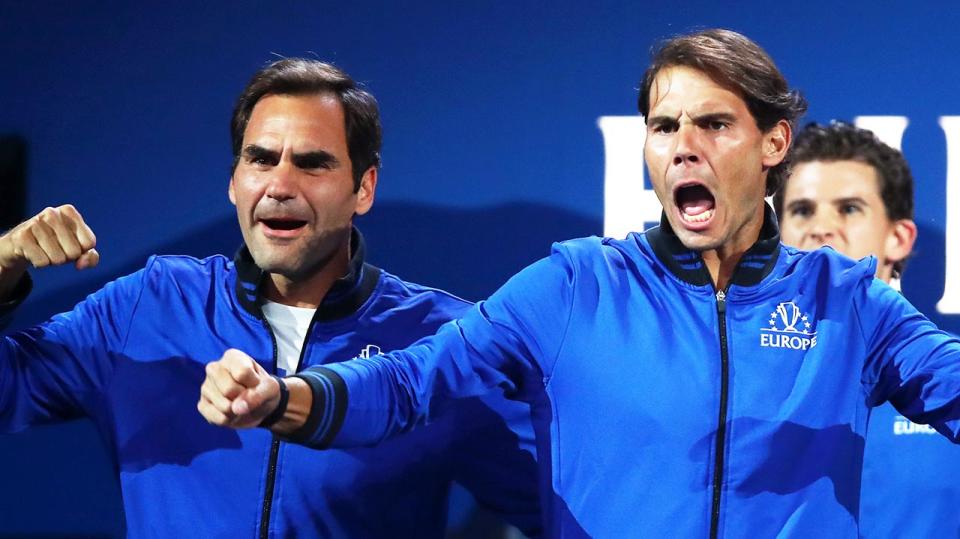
x: 841, y: 141
x: 736, y: 62
x: 303, y: 76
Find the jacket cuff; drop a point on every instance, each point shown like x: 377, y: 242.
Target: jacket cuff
x: 327, y: 411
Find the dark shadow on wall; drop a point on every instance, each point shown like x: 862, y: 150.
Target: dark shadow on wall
x: 70, y: 486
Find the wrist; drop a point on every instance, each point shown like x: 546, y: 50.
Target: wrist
x: 10, y: 276
x: 281, y: 408
x: 296, y: 409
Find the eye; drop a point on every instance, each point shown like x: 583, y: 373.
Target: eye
x: 850, y: 208
x: 259, y: 160
x: 802, y: 211
x: 664, y: 128
x: 717, y: 125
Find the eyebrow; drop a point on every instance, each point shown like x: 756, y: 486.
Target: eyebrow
x: 700, y: 119
x: 799, y: 202
x: 252, y: 151
x: 848, y: 200
x: 315, y: 159
x: 660, y: 119
x: 306, y: 160
x: 714, y: 117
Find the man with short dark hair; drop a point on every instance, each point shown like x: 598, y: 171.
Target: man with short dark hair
x: 696, y: 379
x: 306, y: 142
x: 849, y: 190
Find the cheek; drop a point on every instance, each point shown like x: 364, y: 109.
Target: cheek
x: 655, y: 152
x: 790, y: 233
x: 861, y: 240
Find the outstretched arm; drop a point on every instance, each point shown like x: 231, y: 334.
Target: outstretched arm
x: 510, y: 341
x: 912, y: 363
x: 239, y: 393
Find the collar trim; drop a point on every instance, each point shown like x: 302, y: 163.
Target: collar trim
x: 688, y: 265
x: 344, y: 298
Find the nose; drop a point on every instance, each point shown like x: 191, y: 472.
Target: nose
x: 282, y: 184
x: 688, y: 146
x: 824, y: 227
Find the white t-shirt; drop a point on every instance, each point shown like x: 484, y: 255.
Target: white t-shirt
x: 290, y: 325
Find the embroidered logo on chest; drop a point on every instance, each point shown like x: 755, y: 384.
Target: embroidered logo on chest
x: 789, y: 328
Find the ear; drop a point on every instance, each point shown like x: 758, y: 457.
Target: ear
x: 368, y: 188
x: 900, y: 240
x: 230, y: 194
x: 776, y: 142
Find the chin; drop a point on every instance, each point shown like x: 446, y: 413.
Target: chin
x: 697, y: 241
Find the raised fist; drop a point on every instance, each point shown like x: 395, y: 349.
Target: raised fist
x: 237, y: 392
x: 52, y: 237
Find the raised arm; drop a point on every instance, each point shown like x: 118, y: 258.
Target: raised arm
x: 508, y: 342
x: 53, y: 237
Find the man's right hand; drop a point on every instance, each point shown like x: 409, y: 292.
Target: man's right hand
x: 53, y: 237
x: 238, y: 393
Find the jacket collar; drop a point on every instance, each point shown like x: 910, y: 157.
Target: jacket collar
x: 688, y: 265
x: 346, y: 295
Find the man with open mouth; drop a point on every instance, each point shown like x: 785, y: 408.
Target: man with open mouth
x: 306, y: 147
x: 698, y: 379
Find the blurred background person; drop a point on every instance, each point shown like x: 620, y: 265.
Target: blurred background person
x: 852, y: 192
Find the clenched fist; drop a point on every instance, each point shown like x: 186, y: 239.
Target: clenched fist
x: 52, y: 237
x: 237, y: 392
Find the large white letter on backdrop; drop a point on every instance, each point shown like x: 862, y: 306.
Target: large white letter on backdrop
x: 950, y: 302
x: 626, y: 204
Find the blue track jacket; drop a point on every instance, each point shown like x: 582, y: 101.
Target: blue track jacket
x: 911, y: 480
x: 132, y: 357
x: 666, y: 408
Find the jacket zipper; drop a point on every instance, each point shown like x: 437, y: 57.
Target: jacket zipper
x: 274, y: 453
x: 275, y: 442
x: 722, y: 419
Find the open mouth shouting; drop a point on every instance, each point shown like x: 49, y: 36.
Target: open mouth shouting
x: 282, y: 226
x: 695, y: 204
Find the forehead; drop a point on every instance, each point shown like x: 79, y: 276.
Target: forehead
x: 828, y: 180
x: 316, y: 118
x: 679, y: 89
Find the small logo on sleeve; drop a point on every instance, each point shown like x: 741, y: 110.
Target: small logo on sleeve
x: 789, y: 328
x: 368, y: 352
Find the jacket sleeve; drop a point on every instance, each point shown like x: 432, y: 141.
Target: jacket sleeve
x: 58, y: 370
x: 9, y: 305
x: 910, y: 362
x: 509, y: 341
x: 496, y: 460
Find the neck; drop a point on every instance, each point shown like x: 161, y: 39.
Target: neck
x: 722, y: 261
x: 721, y: 265
x: 308, y: 292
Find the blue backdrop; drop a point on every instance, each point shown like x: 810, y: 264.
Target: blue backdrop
x: 492, y: 147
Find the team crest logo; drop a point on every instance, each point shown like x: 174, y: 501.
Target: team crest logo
x: 788, y: 327
x: 368, y: 352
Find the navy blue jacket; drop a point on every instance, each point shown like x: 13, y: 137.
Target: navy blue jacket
x: 132, y: 355
x: 666, y: 408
